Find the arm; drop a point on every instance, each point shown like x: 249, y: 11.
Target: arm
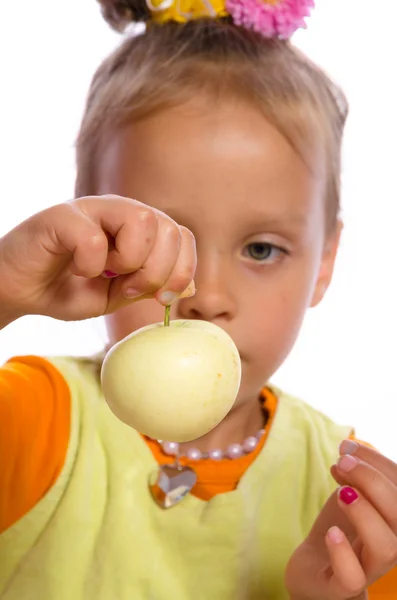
x: 34, y: 434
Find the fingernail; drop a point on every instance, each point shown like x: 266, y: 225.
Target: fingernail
x: 335, y: 535
x: 348, y: 495
x: 348, y: 447
x: 347, y: 463
x: 189, y: 291
x: 132, y: 293
x: 109, y: 274
x: 167, y: 297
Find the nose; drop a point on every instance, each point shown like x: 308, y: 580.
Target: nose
x: 214, y: 299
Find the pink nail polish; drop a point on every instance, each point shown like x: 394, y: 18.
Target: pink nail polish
x: 109, y: 274
x: 348, y: 495
x: 132, y: 293
x: 347, y: 463
x: 348, y: 447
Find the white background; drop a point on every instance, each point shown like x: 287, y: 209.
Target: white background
x: 345, y: 361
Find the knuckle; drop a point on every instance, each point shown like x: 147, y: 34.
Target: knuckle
x: 172, y: 232
x: 188, y: 235
x: 95, y: 241
x: 83, y: 203
x: 146, y: 216
x: 113, y: 197
x: 104, y: 198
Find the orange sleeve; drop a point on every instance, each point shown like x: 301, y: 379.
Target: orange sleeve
x: 386, y: 587
x: 34, y: 433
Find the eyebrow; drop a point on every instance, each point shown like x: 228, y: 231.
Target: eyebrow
x: 256, y: 219
x: 298, y: 221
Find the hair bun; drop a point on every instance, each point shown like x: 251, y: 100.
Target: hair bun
x: 121, y: 13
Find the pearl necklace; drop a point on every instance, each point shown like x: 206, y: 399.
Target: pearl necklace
x: 170, y: 483
x: 232, y: 452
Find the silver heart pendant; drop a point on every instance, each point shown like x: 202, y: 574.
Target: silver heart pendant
x: 169, y: 484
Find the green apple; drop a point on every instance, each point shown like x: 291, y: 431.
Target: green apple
x: 173, y: 382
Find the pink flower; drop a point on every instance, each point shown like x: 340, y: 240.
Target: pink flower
x: 271, y: 18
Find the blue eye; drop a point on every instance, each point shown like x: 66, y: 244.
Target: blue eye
x: 262, y: 251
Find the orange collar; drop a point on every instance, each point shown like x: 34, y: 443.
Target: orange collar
x: 217, y: 477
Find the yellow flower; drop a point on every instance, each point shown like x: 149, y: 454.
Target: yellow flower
x: 182, y: 11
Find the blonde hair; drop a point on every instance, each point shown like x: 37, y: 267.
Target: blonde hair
x: 167, y: 64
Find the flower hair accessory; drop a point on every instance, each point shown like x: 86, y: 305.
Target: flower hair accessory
x: 270, y: 18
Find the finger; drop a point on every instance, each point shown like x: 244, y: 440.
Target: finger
x: 161, y: 262
x: 379, y: 541
x: 180, y: 282
x: 118, y: 300
x: 70, y: 231
x: 377, y: 488
x: 370, y: 456
x: 132, y: 227
x: 347, y: 578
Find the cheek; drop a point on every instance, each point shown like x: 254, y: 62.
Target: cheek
x: 275, y: 317
x: 129, y: 319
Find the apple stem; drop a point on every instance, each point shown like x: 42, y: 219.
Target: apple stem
x: 167, y: 316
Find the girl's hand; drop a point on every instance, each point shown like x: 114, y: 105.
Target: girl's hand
x: 63, y: 261
x: 354, y: 540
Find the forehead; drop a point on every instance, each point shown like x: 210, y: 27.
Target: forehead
x: 201, y: 158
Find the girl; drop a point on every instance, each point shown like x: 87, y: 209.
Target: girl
x: 221, y: 129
